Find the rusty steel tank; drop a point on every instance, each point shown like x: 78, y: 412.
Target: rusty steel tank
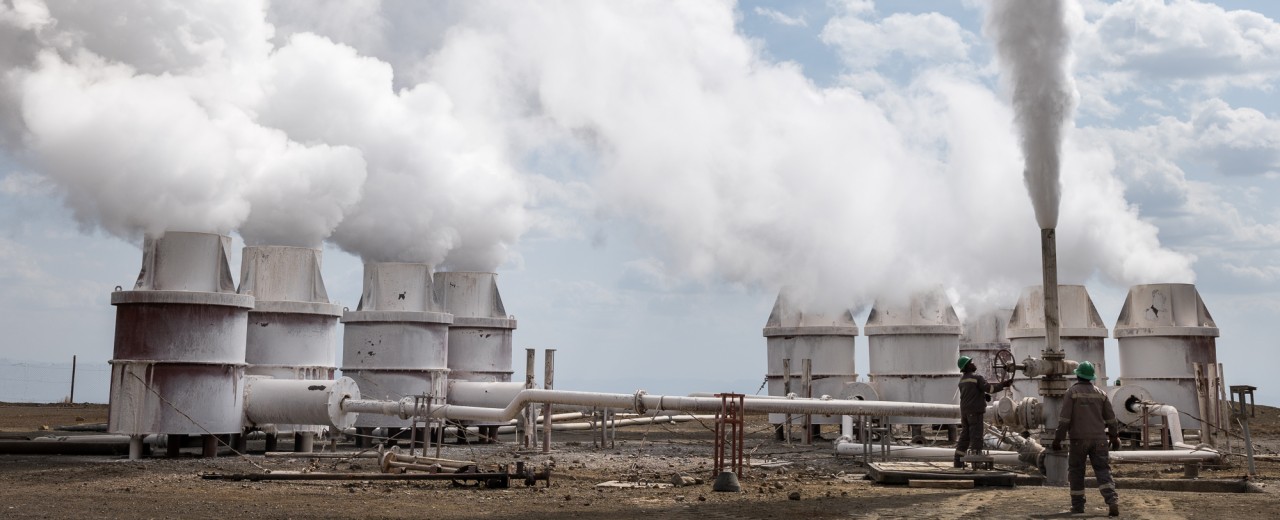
x: 179, y: 357
x: 1162, y: 331
x: 824, y: 338
x: 396, y: 343
x: 1082, y: 333
x: 912, y: 350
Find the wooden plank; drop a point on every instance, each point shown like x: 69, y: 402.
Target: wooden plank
x: 940, y: 484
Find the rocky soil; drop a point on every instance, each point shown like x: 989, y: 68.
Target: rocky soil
x: 801, y: 482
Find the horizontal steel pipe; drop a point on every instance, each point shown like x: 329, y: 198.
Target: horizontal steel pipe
x: 641, y: 402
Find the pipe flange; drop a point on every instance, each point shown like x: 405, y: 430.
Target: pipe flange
x: 638, y: 405
x: 1123, y: 400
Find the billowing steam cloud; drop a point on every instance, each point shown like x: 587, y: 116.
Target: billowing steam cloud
x: 156, y: 116
x: 438, y: 191
x: 1034, y: 47
x: 144, y: 114
x: 736, y: 168
x: 425, y: 131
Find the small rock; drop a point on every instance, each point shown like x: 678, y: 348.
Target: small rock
x: 702, y: 498
x: 679, y: 498
x: 794, y: 495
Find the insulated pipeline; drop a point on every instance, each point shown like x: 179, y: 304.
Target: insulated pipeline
x: 641, y: 403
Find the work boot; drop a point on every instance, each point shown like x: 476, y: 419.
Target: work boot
x: 958, y: 463
x: 1078, y: 509
x: 1113, y: 509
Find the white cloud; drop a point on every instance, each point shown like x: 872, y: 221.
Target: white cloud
x: 782, y: 18
x: 1128, y: 44
x: 865, y: 42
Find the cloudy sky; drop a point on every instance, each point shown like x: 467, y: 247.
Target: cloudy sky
x: 644, y: 176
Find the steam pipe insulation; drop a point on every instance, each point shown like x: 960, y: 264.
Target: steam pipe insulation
x: 298, y: 401
x: 1166, y: 456
x: 615, y: 423
x: 1172, y: 421
x: 79, y: 445
x: 640, y: 402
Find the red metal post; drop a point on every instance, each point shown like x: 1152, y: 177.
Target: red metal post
x: 729, y: 433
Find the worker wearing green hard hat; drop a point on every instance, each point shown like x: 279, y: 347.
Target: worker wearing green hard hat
x: 1088, y: 418
x: 1085, y: 371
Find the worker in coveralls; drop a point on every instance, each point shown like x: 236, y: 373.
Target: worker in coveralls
x: 974, y: 390
x: 1089, y: 419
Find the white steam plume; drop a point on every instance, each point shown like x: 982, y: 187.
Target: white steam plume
x: 144, y: 114
x: 736, y: 168
x: 733, y: 167
x: 439, y: 191
x: 1034, y: 48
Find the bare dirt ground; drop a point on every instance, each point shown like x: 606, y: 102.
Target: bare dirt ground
x: 816, y: 484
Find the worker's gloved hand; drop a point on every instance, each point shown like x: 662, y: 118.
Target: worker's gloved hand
x: 1115, y: 442
x: 1057, y: 445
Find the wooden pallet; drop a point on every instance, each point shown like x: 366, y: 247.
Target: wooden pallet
x: 904, y: 472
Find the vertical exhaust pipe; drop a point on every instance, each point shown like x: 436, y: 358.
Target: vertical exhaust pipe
x: 1049, y: 263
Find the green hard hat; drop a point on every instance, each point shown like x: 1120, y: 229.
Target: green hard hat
x: 1085, y: 371
x: 964, y: 360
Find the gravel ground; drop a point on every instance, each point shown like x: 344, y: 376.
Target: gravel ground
x: 813, y: 483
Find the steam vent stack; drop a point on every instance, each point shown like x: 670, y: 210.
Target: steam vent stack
x: 396, y: 343
x: 1082, y: 333
x: 983, y: 335
x: 292, y: 327
x: 912, y: 348
x: 1162, y: 331
x: 179, y: 358
x: 480, y: 336
x: 827, y: 339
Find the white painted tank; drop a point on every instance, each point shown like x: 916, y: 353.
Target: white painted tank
x: 1082, y: 333
x: 179, y: 357
x: 983, y: 335
x: 827, y: 339
x: 912, y: 349
x: 480, y: 335
x: 396, y: 343
x: 293, y: 329
x: 1162, y: 330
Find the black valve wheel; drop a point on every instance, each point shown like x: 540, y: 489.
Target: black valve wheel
x: 1003, y: 366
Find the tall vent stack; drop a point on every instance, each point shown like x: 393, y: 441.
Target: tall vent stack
x: 1081, y: 333
x: 293, y: 329
x: 984, y: 335
x: 912, y: 349
x: 480, y: 335
x: 396, y: 343
x: 1163, y: 330
x: 827, y: 339
x: 179, y: 357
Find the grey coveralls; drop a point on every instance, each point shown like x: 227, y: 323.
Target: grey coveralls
x: 973, y: 403
x: 1086, y: 413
